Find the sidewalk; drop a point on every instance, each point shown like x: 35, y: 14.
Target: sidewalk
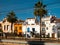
x: 26, y: 41
x: 13, y: 41
x: 18, y: 42
x: 11, y: 44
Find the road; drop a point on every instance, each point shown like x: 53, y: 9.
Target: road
x: 28, y: 42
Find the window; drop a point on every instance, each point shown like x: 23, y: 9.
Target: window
x: 28, y: 29
x: 15, y: 28
x: 48, y: 35
x: 33, y: 29
x: 58, y: 27
x: 7, y: 27
x: 43, y: 23
x: 4, y: 27
x: 26, y: 22
x: 32, y: 24
x: 20, y: 28
x: 47, y: 28
x: 53, y: 27
x: 43, y: 29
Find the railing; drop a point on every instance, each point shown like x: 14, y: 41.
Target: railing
x: 43, y: 25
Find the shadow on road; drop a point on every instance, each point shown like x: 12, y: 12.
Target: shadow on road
x: 0, y: 41
x: 36, y: 42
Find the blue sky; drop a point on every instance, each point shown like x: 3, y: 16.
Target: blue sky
x: 25, y: 8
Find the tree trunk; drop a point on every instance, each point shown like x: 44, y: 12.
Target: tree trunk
x: 40, y: 27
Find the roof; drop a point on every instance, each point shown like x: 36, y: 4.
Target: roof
x: 30, y: 18
x: 57, y: 20
x: 19, y: 21
x: 53, y: 19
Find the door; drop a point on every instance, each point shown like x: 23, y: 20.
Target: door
x: 28, y: 29
x: 53, y: 35
x: 58, y: 33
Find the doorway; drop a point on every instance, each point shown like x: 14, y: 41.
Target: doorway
x: 53, y: 35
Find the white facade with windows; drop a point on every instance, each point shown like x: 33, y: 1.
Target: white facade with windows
x: 30, y: 21
x: 58, y: 27
x: 30, y: 25
x: 36, y: 28
x: 6, y: 26
x: 50, y: 28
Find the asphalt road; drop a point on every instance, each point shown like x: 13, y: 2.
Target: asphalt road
x: 30, y: 42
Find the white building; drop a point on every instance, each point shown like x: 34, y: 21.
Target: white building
x: 57, y: 21
x: 6, y: 26
x: 49, y: 26
x: 30, y: 25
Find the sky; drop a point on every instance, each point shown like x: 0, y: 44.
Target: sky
x: 24, y: 8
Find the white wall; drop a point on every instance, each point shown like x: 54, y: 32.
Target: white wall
x: 50, y: 26
x: 37, y: 28
x: 31, y: 24
x: 9, y: 27
x: 30, y: 21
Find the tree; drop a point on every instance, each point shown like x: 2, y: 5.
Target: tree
x: 1, y: 30
x: 11, y: 17
x: 40, y: 11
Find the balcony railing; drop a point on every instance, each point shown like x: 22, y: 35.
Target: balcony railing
x: 43, y: 32
x: 43, y: 25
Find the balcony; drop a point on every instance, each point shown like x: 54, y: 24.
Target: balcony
x: 43, y: 32
x: 43, y: 25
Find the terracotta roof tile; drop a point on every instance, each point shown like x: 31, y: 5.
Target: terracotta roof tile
x: 58, y: 20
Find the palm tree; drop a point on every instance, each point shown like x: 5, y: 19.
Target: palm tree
x: 11, y: 17
x: 40, y: 11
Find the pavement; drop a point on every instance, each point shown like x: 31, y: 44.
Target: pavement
x: 13, y: 41
x: 32, y: 41
x: 28, y: 42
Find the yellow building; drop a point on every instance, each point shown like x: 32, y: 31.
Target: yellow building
x: 18, y: 27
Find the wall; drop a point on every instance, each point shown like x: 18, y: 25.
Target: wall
x: 19, y: 28
x: 6, y: 23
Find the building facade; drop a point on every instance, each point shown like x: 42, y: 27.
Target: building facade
x: 30, y: 25
x: 6, y: 26
x: 18, y: 27
x: 57, y: 21
x: 49, y: 26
